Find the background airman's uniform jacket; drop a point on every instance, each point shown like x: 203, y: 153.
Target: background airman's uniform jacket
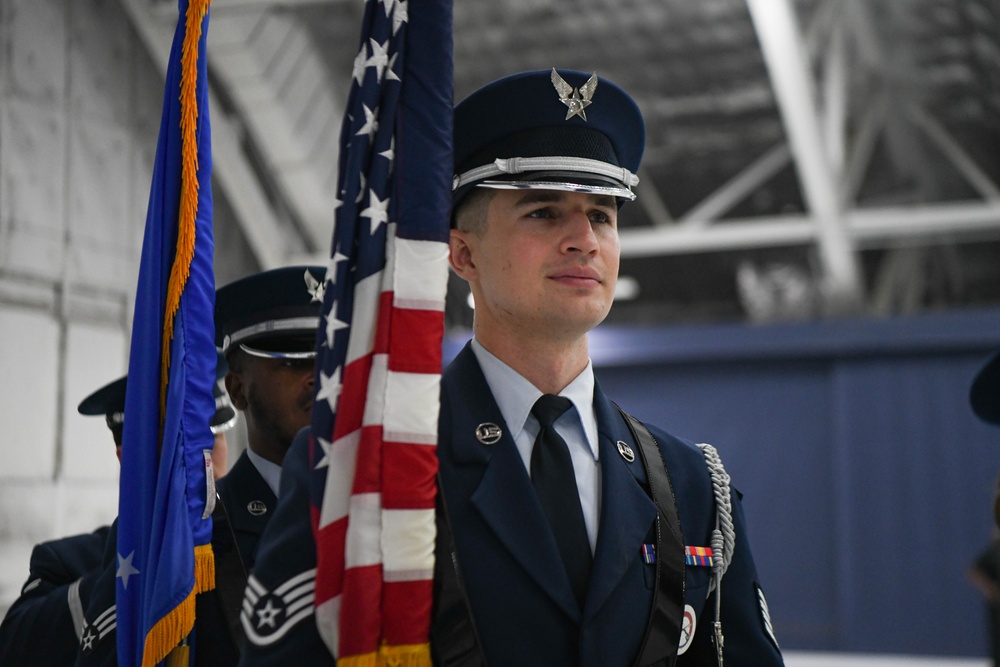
x: 43, y: 625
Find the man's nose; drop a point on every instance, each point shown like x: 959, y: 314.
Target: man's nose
x: 580, y: 236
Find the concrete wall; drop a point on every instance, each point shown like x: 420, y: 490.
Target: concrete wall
x: 79, y: 111
x: 80, y: 106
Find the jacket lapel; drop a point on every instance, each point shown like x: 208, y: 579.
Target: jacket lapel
x: 504, y: 497
x: 249, y: 500
x: 627, y: 513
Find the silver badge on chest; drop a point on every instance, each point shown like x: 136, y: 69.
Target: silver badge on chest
x: 488, y: 433
x: 627, y: 452
x: 256, y: 507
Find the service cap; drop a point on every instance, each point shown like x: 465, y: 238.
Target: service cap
x: 552, y: 130
x: 271, y: 314
x: 109, y: 401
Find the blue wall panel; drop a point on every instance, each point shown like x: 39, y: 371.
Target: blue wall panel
x: 867, y: 481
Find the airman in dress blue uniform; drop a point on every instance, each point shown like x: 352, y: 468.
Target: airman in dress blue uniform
x: 557, y: 526
x: 265, y: 329
x: 45, y: 624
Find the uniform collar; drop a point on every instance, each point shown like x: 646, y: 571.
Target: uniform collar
x: 269, y: 471
x: 515, y: 395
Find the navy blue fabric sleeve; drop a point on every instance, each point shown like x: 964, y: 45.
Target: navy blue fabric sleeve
x: 279, y: 624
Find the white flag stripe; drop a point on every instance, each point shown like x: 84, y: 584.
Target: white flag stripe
x: 328, y: 622
x: 364, y: 531
x: 421, y: 270
x: 366, y: 298
x: 417, y: 439
x: 408, y: 575
x: 390, y: 257
x: 412, y: 401
x: 418, y: 304
x: 408, y: 544
x: 375, y: 401
x: 343, y: 456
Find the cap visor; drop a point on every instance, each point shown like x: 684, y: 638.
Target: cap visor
x: 563, y: 186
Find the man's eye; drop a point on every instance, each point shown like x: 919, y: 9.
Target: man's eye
x: 600, y: 217
x: 540, y: 213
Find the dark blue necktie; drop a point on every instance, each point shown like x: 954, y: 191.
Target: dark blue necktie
x: 555, y: 483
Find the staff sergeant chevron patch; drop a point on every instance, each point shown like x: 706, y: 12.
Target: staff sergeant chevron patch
x: 267, y: 616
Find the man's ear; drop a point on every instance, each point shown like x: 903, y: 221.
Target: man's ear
x: 237, y: 390
x: 460, y: 254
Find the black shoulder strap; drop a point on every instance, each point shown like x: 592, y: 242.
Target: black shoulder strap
x: 454, y: 640
x: 230, y: 578
x: 663, y: 630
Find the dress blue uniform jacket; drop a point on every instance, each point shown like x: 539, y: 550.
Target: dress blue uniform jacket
x: 40, y: 628
x: 522, y: 603
x: 213, y: 644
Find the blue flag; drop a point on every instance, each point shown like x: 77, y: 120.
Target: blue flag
x: 165, y: 500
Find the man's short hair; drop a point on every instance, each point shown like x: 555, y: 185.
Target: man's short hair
x: 471, y: 211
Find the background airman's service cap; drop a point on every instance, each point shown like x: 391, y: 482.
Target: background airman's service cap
x: 549, y: 129
x: 225, y: 414
x: 109, y: 401
x: 985, y: 393
x: 271, y: 314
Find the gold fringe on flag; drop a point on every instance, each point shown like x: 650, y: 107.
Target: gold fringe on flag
x: 163, y: 638
x: 204, y: 568
x: 181, y: 269
x: 168, y: 632
x: 411, y: 655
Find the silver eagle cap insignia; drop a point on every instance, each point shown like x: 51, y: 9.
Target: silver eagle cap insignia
x: 576, y: 100
x: 315, y: 288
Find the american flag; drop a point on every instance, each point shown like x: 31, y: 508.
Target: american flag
x: 379, y: 341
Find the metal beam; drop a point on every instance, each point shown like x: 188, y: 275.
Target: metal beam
x: 231, y: 169
x: 964, y: 163
x: 738, y: 188
x: 652, y: 201
x: 788, y: 64
x: 867, y: 228
x: 276, y: 84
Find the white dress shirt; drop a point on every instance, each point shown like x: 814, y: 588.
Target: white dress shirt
x: 515, y: 397
x: 270, y: 471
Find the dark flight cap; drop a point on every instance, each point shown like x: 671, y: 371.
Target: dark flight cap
x: 552, y: 130
x: 109, y: 401
x: 985, y: 393
x: 271, y: 314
